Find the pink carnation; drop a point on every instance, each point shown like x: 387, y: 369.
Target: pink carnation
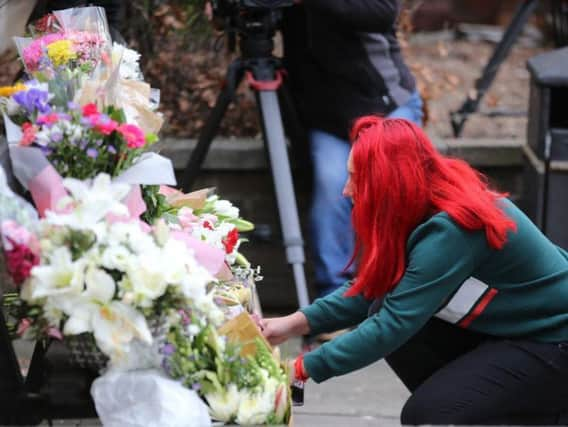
x: 133, y: 135
x: 33, y: 53
x: 90, y: 109
x: 102, y: 123
x: 28, y: 134
x: 48, y: 119
x: 19, y: 261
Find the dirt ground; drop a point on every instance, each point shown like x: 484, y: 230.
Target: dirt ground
x: 446, y: 72
x: 445, y: 69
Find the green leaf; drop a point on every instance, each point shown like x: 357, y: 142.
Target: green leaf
x: 242, y: 224
x: 151, y: 138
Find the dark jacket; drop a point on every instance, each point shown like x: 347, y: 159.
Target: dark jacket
x: 344, y: 61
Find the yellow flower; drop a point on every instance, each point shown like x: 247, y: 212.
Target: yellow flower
x: 7, y: 91
x: 61, y: 52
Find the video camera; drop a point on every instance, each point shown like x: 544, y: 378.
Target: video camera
x: 228, y: 7
x: 248, y: 16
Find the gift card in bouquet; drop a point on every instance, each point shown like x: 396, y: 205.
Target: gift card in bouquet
x: 243, y: 329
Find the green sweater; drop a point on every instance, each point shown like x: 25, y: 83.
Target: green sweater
x: 520, y: 291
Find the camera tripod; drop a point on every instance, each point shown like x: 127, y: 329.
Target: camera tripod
x: 264, y: 74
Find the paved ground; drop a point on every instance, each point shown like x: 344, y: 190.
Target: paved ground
x: 370, y: 397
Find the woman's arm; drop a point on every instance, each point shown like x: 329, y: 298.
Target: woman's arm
x: 442, y: 257
x: 373, y: 16
x: 335, y: 311
x: 326, y: 314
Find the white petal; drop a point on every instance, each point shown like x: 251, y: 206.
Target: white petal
x: 79, y: 321
x: 100, y: 285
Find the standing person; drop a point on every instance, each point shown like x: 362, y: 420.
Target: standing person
x: 343, y: 61
x: 464, y: 297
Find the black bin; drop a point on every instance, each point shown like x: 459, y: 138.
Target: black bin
x: 545, y: 198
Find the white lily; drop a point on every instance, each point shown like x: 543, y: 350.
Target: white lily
x: 91, y: 203
x: 100, y: 288
x: 224, y: 404
x: 61, y: 276
x: 115, y: 325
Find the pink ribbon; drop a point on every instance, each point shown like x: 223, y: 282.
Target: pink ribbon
x: 46, y: 189
x: 208, y: 256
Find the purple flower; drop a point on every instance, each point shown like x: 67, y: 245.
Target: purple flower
x: 73, y: 105
x: 85, y: 122
x: 33, y: 100
x: 111, y: 149
x: 196, y: 386
x: 56, y: 136
x: 92, y: 153
x: 168, y: 349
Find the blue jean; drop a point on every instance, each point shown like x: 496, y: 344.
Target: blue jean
x: 331, y: 233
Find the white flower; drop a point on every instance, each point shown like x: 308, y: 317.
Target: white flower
x: 147, y: 279
x: 194, y: 283
x: 60, y: 276
x: 91, y: 203
x: 226, y: 208
x: 100, y: 288
x: 224, y: 404
x: 116, y: 257
x: 177, y: 260
x: 206, y: 305
x: 129, y: 65
x: 115, y: 325
x: 254, y: 408
x: 132, y: 236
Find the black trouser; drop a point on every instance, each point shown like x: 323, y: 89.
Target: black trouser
x: 460, y: 377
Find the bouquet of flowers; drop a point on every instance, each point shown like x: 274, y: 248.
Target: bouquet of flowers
x: 85, y: 273
x: 75, y: 117
x: 203, y: 217
x: 67, y: 48
x: 80, y: 142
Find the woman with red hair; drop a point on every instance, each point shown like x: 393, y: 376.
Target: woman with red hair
x: 465, y: 298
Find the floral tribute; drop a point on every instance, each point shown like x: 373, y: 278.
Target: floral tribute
x: 111, y: 252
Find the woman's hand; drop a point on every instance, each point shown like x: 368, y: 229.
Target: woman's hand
x: 279, y: 329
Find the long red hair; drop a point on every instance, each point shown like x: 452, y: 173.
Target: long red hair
x: 398, y: 181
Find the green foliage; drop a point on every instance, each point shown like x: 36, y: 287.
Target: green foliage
x: 156, y: 204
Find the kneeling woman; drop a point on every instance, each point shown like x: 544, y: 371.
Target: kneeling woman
x: 465, y: 298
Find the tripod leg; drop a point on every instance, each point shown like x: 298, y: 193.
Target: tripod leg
x: 284, y: 189
x: 458, y: 118
x: 234, y: 77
